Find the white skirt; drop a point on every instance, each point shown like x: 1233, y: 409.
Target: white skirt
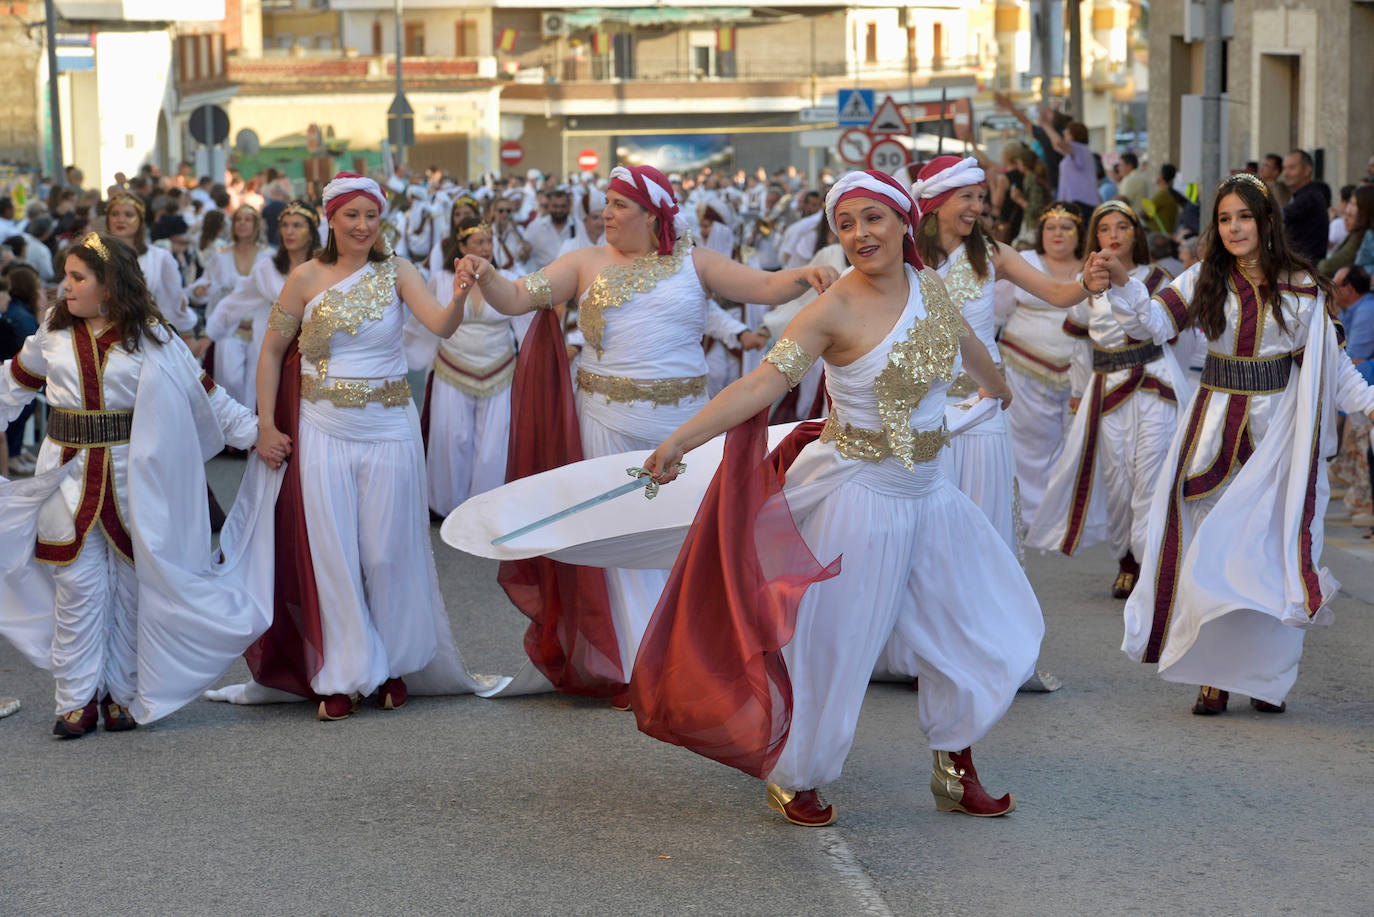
x: 918, y: 555
x: 236, y: 369
x: 981, y: 463
x: 468, y: 437
x: 1036, y: 421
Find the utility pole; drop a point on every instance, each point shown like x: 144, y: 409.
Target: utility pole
x: 59, y: 174
x: 1073, y: 12
x: 1043, y: 36
x: 400, y: 116
x: 1210, y: 174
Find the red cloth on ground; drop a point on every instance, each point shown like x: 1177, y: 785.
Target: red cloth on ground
x: 571, y: 637
x: 710, y: 675
x: 291, y: 653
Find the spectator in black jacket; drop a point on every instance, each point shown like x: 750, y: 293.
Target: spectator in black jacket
x: 1304, y: 219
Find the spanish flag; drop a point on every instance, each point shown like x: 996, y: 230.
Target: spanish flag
x: 507, y: 40
x: 725, y: 40
x: 601, y: 43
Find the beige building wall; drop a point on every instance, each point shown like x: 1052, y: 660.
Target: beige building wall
x: 21, y: 117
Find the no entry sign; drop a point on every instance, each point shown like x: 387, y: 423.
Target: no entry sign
x: 511, y: 153
x: 587, y: 160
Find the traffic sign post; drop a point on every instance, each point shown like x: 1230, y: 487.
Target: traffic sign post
x: 511, y: 153
x: 887, y: 155
x: 588, y: 160
x: 854, y: 107
x: 888, y: 119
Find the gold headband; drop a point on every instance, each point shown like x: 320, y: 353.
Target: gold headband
x: 125, y: 197
x: 463, y: 234
x: 1063, y: 212
x: 93, y: 243
x: 1246, y: 177
x: 1120, y: 207
x: 295, y: 209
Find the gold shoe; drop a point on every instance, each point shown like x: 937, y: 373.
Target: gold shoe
x: 954, y: 784
x: 805, y: 808
x: 1124, y: 584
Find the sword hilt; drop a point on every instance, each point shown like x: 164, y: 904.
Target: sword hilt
x: 651, y: 488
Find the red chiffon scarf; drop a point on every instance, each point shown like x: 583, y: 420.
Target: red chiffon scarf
x: 710, y: 675
x: 571, y: 637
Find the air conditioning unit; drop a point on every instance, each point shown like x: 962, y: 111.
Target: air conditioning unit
x: 553, y: 24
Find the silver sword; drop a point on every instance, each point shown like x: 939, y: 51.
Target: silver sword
x: 642, y: 481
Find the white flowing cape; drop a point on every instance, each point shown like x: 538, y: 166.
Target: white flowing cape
x: 198, y: 608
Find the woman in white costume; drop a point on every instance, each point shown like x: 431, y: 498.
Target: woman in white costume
x: 125, y: 220
x: 230, y: 266
x: 950, y: 198
x: 868, y: 487
x: 106, y: 552
x: 1230, y: 576
x: 1037, y: 354
x: 466, y: 416
x: 464, y: 208
x: 807, y: 399
x: 240, y: 318
x: 379, y: 617
x: 1127, y: 393
x: 643, y: 309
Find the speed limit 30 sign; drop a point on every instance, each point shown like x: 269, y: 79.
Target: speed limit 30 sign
x: 887, y: 156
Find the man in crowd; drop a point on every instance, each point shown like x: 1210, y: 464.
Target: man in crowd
x: 1270, y: 170
x: 547, y: 233
x: 1357, y: 315
x: 1131, y: 182
x: 1304, y: 217
x: 1077, y: 168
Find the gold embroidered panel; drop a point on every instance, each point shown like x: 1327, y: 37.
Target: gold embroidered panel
x: 346, y: 311
x: 617, y: 283
x: 872, y: 445
x: 478, y: 381
x: 283, y: 322
x: 927, y: 354
x: 962, y: 282
x: 655, y: 391
x: 355, y: 393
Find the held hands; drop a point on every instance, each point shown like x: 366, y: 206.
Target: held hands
x: 273, y: 446
x: 663, y: 464
x: 1102, y: 271
x: 749, y: 340
x: 468, y: 271
x: 1003, y: 395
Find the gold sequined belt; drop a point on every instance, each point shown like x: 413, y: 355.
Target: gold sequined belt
x: 355, y: 393
x: 244, y: 332
x: 1128, y: 357
x: 89, y: 429
x: 655, y: 391
x: 1241, y: 376
x: 874, y: 446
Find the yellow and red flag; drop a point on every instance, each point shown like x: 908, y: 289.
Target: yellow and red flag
x: 725, y: 40
x: 601, y: 43
x: 506, y: 41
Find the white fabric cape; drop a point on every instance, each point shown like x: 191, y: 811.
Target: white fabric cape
x: 198, y: 609
x: 1246, y: 553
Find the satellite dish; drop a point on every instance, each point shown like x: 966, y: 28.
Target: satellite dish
x: 246, y: 142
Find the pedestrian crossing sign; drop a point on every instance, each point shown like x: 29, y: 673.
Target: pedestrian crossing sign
x: 854, y: 106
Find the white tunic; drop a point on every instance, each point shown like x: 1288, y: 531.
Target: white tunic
x: 163, y: 277
x: 236, y: 319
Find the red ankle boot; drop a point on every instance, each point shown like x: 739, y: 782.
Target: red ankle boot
x: 804, y: 807
x: 956, y: 788
x: 1210, y: 701
x: 392, y: 694
x: 117, y: 716
x: 76, y: 723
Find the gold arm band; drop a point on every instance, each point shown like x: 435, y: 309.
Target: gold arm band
x: 790, y: 360
x: 283, y: 322
x: 540, y: 290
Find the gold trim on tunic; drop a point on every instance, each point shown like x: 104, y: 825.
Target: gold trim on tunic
x: 478, y: 381
x: 366, y: 300
x: 927, y: 354
x: 616, y: 284
x: 789, y: 358
x: 873, y: 446
x: 962, y: 281
x: 355, y: 393
x: 540, y: 290
x: 282, y: 322
x: 655, y: 391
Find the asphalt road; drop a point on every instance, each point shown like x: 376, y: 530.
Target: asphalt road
x: 1127, y: 804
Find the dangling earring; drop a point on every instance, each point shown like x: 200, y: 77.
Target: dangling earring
x: 103, y: 310
x: 932, y: 228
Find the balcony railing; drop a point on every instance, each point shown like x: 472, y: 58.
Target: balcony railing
x: 604, y: 69
x: 307, y: 67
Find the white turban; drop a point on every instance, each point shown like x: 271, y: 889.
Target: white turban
x: 348, y: 185
x: 942, y: 175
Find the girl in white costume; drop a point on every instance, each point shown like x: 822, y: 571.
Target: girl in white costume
x: 229, y: 269
x: 870, y: 488
x: 1102, y: 483
x: 950, y: 198
x: 125, y: 220
x: 643, y: 310
x: 108, y: 578
x: 381, y: 616
x: 240, y: 318
x: 1230, y: 577
x: 467, y: 402
x: 1037, y: 354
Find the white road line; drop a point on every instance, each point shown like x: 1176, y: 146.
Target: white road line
x: 852, y: 873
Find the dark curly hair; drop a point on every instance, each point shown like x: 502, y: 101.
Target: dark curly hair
x: 131, y: 309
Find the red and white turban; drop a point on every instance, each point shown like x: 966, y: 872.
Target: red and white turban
x: 940, y: 178
x: 649, y: 188
x: 345, y: 187
x: 883, y: 188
